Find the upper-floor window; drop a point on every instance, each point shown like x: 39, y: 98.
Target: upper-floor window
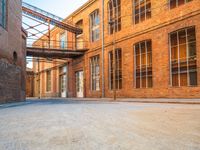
x: 79, y: 37
x: 94, y: 26
x: 114, y: 16
x: 63, y: 41
x: 183, y: 58
x: 142, y: 10
x: 3, y: 13
x: 48, y: 81
x: 143, y: 64
x: 95, y: 73
x: 118, y: 69
x: 176, y: 3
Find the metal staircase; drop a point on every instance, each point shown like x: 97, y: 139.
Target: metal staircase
x: 42, y: 15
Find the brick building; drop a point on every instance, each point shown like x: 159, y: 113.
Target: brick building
x: 12, y: 52
x: 157, y: 51
x: 29, y: 82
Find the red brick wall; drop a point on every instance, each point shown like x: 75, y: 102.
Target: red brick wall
x: 162, y: 22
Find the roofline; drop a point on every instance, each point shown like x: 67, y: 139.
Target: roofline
x: 81, y: 8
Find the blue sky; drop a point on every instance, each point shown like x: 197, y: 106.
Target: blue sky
x: 61, y: 8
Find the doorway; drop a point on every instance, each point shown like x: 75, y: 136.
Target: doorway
x: 79, y: 84
x: 63, y: 81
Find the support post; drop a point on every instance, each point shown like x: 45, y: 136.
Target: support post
x: 103, y: 83
x: 39, y: 79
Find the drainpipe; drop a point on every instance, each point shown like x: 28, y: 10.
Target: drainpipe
x: 103, y: 83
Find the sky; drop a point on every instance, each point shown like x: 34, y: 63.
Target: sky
x: 60, y: 8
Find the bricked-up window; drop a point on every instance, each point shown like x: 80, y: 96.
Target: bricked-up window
x: 114, y: 16
x: 183, y: 58
x: 3, y: 13
x: 143, y: 64
x: 118, y: 71
x: 95, y: 73
x: 176, y: 3
x: 142, y: 10
x: 48, y: 81
x: 94, y: 25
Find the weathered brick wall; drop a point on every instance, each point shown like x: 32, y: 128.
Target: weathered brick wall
x: 12, y: 71
x: 10, y: 81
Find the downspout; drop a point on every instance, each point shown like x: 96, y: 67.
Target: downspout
x: 103, y: 83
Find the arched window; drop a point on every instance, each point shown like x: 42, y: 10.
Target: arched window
x: 114, y: 16
x: 183, y: 59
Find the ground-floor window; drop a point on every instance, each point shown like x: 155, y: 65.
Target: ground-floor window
x: 48, y: 80
x: 183, y: 60
x: 118, y: 69
x: 143, y: 64
x: 95, y: 73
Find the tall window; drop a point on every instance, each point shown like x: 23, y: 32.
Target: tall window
x: 142, y: 10
x: 63, y: 40
x: 176, y: 3
x: 183, y: 58
x: 48, y: 81
x: 94, y: 26
x: 114, y: 16
x: 3, y: 13
x: 143, y: 64
x: 95, y: 73
x: 118, y: 69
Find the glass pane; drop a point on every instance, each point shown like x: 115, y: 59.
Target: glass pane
x: 137, y: 19
x: 183, y: 79
x: 193, y: 78
x: 182, y: 52
x: 174, y: 53
x: 137, y: 49
x: 172, y: 4
x: 174, y: 39
x: 138, y: 82
x: 182, y: 37
x: 192, y: 49
x: 144, y: 82
x: 181, y: 2
x: 175, y: 80
x: 191, y: 34
x: 150, y: 82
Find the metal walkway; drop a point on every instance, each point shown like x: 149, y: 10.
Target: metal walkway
x: 54, y: 53
x: 42, y: 15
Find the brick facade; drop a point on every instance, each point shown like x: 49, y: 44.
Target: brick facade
x: 12, y: 55
x: 163, y: 21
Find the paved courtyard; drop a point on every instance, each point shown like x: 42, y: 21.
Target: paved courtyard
x: 75, y: 125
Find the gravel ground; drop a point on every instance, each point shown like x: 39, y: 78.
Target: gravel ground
x: 75, y: 125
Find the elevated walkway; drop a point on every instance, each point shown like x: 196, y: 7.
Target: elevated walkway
x: 45, y: 16
x: 54, y: 53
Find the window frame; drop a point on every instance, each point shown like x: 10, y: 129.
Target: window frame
x: 179, y: 58
x: 95, y: 86
x: 48, y: 81
x: 110, y: 70
x: 146, y: 68
x: 117, y: 21
x: 177, y: 3
x: 139, y: 13
x: 94, y: 28
x: 4, y: 18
